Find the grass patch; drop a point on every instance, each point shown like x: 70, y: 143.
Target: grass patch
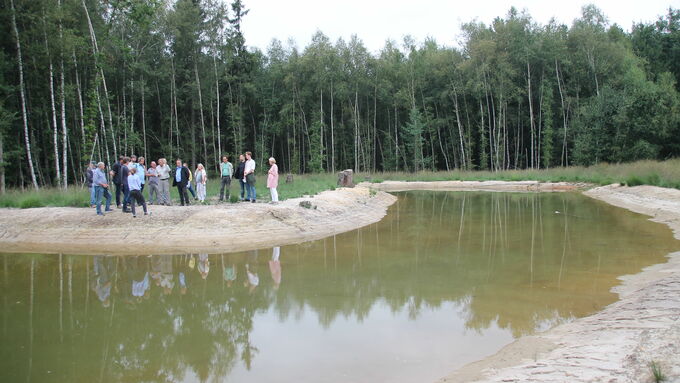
x: 657, y: 372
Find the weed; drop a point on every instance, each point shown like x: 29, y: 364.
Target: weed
x: 658, y: 375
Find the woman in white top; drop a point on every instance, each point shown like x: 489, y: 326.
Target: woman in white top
x: 201, y: 178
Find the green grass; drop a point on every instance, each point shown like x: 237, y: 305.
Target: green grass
x: 657, y: 372
x: 664, y: 174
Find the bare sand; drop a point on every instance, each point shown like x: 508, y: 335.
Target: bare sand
x: 618, y: 343
x: 193, y: 229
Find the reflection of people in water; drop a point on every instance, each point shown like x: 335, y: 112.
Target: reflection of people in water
x: 140, y: 278
x: 253, y: 279
x: 275, y: 267
x: 101, y: 283
x: 166, y: 277
x: 229, y: 272
x: 203, y: 265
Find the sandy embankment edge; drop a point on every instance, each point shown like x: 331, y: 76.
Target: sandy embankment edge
x: 618, y: 343
x: 218, y: 228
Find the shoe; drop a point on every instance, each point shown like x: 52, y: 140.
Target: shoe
x: 147, y: 213
x: 253, y: 201
x: 100, y: 214
x: 108, y: 210
x: 134, y: 216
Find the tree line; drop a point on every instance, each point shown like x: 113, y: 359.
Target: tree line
x: 84, y: 79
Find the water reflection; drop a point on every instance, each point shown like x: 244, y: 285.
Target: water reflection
x: 444, y: 279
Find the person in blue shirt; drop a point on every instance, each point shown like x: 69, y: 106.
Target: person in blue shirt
x: 136, y: 192
x: 181, y: 180
x: 141, y: 171
x: 101, y: 187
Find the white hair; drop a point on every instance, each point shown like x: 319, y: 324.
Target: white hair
x: 272, y: 160
x: 100, y: 163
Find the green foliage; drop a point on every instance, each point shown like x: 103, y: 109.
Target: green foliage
x: 516, y: 94
x: 657, y: 372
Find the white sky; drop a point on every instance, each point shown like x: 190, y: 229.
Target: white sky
x: 375, y: 21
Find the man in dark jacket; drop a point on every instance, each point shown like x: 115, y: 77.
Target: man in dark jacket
x: 238, y: 174
x: 181, y: 180
x: 115, y: 176
x: 89, y: 175
x: 124, y: 172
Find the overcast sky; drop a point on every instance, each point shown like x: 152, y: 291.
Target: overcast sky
x: 375, y: 21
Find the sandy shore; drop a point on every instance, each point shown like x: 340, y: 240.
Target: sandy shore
x: 618, y: 343
x: 499, y: 186
x: 193, y: 229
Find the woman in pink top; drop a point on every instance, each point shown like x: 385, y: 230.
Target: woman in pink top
x: 273, y: 179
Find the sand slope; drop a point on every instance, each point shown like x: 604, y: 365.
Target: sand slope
x: 176, y: 229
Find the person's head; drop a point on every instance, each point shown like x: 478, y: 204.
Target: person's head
x: 185, y: 165
x: 153, y: 164
x: 101, y: 165
x: 178, y: 162
x: 241, y: 158
x: 133, y: 171
x: 225, y: 159
x: 141, y: 160
x: 126, y: 160
x: 91, y: 164
x: 249, y: 155
x: 161, y: 161
x: 133, y: 158
x: 199, y: 167
x: 272, y: 161
x: 120, y: 159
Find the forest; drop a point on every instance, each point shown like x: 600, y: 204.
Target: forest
x: 84, y: 80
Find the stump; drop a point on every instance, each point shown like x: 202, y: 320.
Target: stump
x: 289, y: 178
x: 346, y: 178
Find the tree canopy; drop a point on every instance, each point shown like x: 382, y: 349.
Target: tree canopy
x: 85, y: 80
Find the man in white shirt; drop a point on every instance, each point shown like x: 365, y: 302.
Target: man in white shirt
x: 163, y: 172
x: 249, y: 177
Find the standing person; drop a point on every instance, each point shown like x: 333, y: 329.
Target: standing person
x: 180, y: 181
x: 201, y: 179
x: 152, y: 173
x: 117, y: 179
x: 190, y: 188
x: 249, y: 174
x: 163, y: 172
x: 227, y: 171
x: 89, y: 174
x: 101, y: 187
x: 136, y: 192
x: 141, y: 171
x: 273, y: 179
x: 238, y: 174
x: 124, y: 179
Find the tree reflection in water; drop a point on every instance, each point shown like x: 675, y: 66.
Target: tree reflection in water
x: 519, y: 262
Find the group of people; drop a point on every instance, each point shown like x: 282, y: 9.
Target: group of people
x: 130, y: 175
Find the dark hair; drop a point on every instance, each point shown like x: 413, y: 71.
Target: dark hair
x: 126, y: 159
x: 120, y: 158
x: 227, y: 157
x: 249, y: 154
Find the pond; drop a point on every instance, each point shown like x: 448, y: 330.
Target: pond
x: 444, y: 279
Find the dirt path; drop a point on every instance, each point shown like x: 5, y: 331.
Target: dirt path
x: 176, y: 229
x: 618, y: 343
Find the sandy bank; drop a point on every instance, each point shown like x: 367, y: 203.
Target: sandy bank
x: 618, y: 343
x: 501, y: 186
x: 176, y: 229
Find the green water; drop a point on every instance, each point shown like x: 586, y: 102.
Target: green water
x: 444, y: 279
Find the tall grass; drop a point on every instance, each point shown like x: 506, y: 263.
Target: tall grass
x: 664, y: 174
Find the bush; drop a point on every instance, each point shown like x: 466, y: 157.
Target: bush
x: 30, y: 202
